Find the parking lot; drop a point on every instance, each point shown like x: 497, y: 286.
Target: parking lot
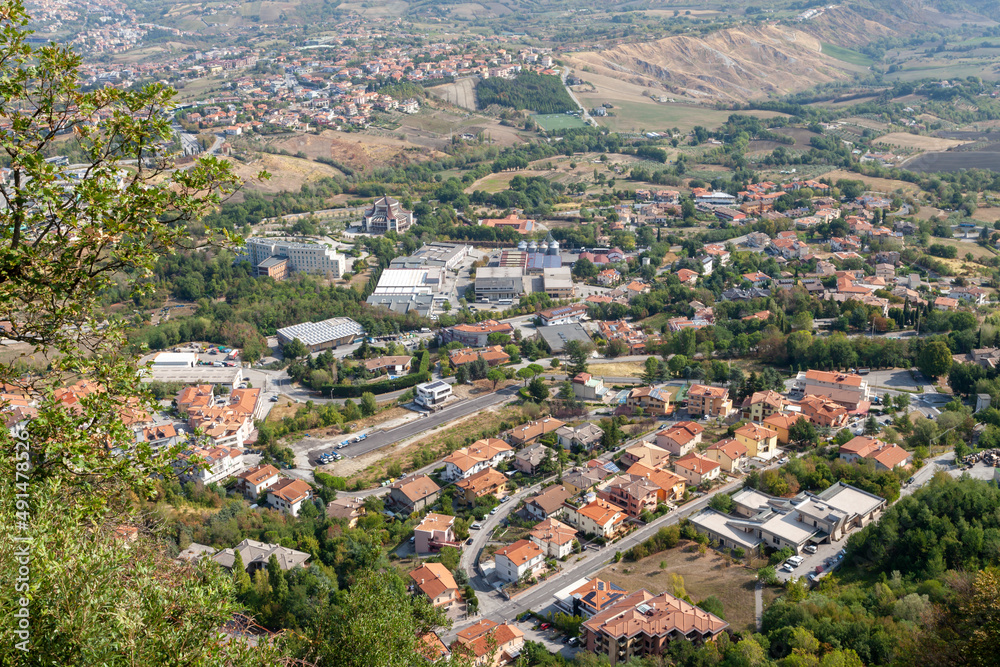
x: 823, y: 560
x: 552, y: 639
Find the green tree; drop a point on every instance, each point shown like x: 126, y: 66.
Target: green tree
x: 462, y: 374
x: 934, y: 360
x: 538, y: 390
x: 241, y: 580
x: 369, y: 405
x: 579, y: 354
x: 803, y: 433
x: 294, y: 349
x: 495, y: 375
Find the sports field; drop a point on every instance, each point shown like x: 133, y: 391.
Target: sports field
x: 553, y: 122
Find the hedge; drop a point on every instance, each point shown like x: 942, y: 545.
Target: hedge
x: 417, y: 376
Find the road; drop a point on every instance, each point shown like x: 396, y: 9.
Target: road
x: 586, y: 116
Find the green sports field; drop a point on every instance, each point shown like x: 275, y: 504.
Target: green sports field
x: 553, y: 122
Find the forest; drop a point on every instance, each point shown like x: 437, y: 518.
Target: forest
x: 541, y: 93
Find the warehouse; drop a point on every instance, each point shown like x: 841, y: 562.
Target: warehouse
x: 317, y: 336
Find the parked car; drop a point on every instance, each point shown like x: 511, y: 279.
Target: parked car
x: 809, y: 548
x: 494, y: 510
x: 469, y: 541
x: 476, y: 526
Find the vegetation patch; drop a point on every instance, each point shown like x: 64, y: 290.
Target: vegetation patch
x: 542, y: 93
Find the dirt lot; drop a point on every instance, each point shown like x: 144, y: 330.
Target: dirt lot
x: 918, y: 142
x: 619, y: 370
x: 462, y: 93
x: 703, y: 576
x: 288, y: 174
x: 361, y: 152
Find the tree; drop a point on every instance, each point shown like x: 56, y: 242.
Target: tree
x: 369, y: 405
x: 294, y: 349
x: 462, y: 374
x: 616, y: 348
x: 495, y: 375
x: 538, y: 390
x: 934, y: 360
x: 578, y: 354
x: 241, y: 580
x: 803, y: 433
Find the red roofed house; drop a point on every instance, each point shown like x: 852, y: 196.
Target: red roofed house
x: 680, y: 438
x: 687, y: 276
x: 887, y: 456
x: 520, y: 559
x: 487, y: 644
x: 729, y: 454
x: 696, y: 468
x: 436, y: 582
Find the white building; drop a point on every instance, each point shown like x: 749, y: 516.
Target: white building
x: 433, y: 393
x: 523, y: 558
x: 175, y: 360
x: 846, y: 389
x: 209, y: 465
x: 301, y: 257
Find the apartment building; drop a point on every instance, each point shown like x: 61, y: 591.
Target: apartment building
x: 846, y: 389
x: 277, y: 259
x: 680, y: 438
x: 760, y: 441
x: 554, y: 537
x: 651, y: 400
x: 633, y: 493
x: 762, y: 404
x: 520, y: 559
x: 526, y: 434
x: 488, y: 482
x: 887, y: 456
x: 433, y: 532
x: 478, y: 456
x: 730, y: 454
x: 288, y: 495
x: 599, y: 517
x: 437, y: 583
x: 696, y: 469
x: 255, y: 481
x: 708, y: 401
x: 413, y: 494
x: 548, y: 503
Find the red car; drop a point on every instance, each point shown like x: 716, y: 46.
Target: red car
x: 546, y: 626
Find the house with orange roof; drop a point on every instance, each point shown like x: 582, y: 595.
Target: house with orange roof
x: 781, y: 422
x: 887, y: 456
x: 287, y: 495
x: 680, y: 438
x: 697, y: 469
x: 730, y: 454
x: 670, y: 487
x: 609, y: 277
x: 645, y: 453
x: 760, y: 316
x: 687, y: 276
x: 513, y: 221
x: 493, y: 355
x: 592, y: 597
x: 848, y: 389
x: 762, y: 404
x: 209, y: 465
x: 251, y: 483
x: 437, y: 583
x: 487, y: 644
x: 554, y: 537
x: 525, y: 434
x: 482, y: 454
x: 652, y: 400
x: 521, y: 559
x: 633, y: 493
x: 706, y: 400
x: 599, y: 517
x: 822, y: 411
x: 641, y: 625
x: 760, y: 441
x: 488, y: 482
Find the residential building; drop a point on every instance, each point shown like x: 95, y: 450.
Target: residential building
x: 255, y: 481
x: 594, y: 596
x: 621, y: 330
x: 646, y: 454
x: 762, y: 404
x: 159, y: 435
x: 476, y: 334
x: 563, y: 314
x: 635, y: 494
x: 761, y: 442
x: 287, y: 495
x: 548, y: 503
x: 488, y: 482
x: 431, y: 394
x: 520, y: 559
x: 641, y: 624
x: 525, y: 434
x: 887, y: 456
x: 780, y: 423
x: 599, y: 517
x: 493, y: 355
x: 194, y: 398
x: 849, y: 390
x: 697, y: 469
x: 588, y: 388
x: 704, y: 400
x: 651, y: 400
x: 584, y: 437
x: 822, y: 411
x: 346, y: 508
x: 513, y: 221
x: 670, y: 487
x: 609, y: 277
x: 255, y: 556
x: 487, y: 644
x: 687, y: 276
x: 554, y: 537
x: 433, y: 532
x: 398, y: 365
x: 413, y: 494
x: 278, y: 259
x: 730, y: 454
x: 530, y: 459
x: 478, y: 456
x: 436, y: 582
x: 386, y: 215
x: 209, y: 465
x: 680, y: 438
x: 581, y: 480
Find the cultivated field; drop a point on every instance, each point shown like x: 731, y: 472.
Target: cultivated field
x: 885, y: 185
x: 461, y: 93
x: 956, y: 161
x: 554, y: 122
x: 704, y: 576
x: 918, y: 141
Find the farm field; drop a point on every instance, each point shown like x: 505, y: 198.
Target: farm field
x: 919, y: 141
x: 955, y: 161
x: 885, y: 185
x: 703, y: 576
x: 846, y: 55
x: 554, y: 122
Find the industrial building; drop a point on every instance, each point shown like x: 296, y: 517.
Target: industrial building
x: 445, y: 255
x: 278, y: 259
x: 501, y: 283
x: 317, y: 336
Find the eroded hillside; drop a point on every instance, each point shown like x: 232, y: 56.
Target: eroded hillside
x: 733, y: 64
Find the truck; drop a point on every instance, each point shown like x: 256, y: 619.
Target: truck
x: 233, y: 354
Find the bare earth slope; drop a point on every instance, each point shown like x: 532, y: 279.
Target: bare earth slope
x: 733, y: 64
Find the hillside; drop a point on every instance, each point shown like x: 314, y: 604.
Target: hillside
x: 731, y: 64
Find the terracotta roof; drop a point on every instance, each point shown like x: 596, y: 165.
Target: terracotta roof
x: 781, y: 420
x: 664, y: 479
x: 435, y: 522
x: 598, y: 594
x: 259, y: 474
x: 602, y: 512
x: 707, y: 390
x: 417, y: 488
x: 659, y: 616
x: 483, y: 482
x: 697, y: 463
x: 852, y: 380
x: 554, y: 532
x: 290, y: 490
x: 730, y: 448
x: 521, y: 552
x: 385, y: 362
x: 433, y: 579
x: 551, y: 498
x: 755, y: 432
x: 536, y: 428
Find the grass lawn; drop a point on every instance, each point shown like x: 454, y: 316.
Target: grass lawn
x: 654, y: 116
x: 553, y: 122
x: 703, y: 576
x: 847, y: 55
